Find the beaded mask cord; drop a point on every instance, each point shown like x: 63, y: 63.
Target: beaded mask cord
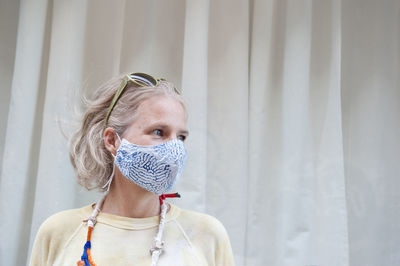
x: 158, y: 244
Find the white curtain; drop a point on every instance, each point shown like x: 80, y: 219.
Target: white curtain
x: 294, y: 117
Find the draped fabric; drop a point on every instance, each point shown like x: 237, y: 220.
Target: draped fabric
x: 294, y: 117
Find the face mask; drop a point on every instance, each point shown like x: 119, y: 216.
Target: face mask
x: 154, y: 168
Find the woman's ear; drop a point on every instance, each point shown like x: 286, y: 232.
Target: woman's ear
x: 110, y: 140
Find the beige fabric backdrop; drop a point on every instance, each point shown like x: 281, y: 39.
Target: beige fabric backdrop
x: 294, y: 117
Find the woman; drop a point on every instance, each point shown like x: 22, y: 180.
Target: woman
x: 130, y: 145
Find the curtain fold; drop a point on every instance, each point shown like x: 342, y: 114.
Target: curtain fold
x: 371, y: 101
x: 294, y: 117
x: 194, y: 84
x: 227, y: 118
x: 295, y: 148
x: 23, y: 132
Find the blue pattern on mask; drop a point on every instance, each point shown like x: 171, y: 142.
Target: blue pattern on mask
x: 154, y: 168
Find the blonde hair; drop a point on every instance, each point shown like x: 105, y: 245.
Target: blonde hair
x: 92, y: 162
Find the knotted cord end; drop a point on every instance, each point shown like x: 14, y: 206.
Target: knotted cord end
x: 158, y: 245
x: 162, y: 197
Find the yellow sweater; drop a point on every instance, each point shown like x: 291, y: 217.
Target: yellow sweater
x: 190, y: 238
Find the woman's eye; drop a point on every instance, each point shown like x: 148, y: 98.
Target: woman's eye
x: 157, y: 132
x: 182, y: 137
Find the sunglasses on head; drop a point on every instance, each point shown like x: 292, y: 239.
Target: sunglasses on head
x: 138, y: 79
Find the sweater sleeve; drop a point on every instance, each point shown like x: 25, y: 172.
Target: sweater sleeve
x: 52, y: 236
x: 223, y: 249
x: 208, y: 236
x: 41, y: 247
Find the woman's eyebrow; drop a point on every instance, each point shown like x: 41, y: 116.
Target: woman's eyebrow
x: 185, y: 132
x: 157, y: 124
x: 163, y: 126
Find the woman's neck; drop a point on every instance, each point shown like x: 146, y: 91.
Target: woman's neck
x: 125, y: 198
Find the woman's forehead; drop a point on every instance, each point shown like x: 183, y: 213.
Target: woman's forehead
x: 161, y: 109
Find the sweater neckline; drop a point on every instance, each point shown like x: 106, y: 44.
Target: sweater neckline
x: 131, y: 223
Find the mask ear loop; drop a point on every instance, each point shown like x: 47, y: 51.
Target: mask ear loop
x: 108, y: 184
x: 118, y: 137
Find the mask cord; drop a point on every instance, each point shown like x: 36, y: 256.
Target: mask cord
x: 118, y: 137
x: 108, y: 183
x: 158, y: 244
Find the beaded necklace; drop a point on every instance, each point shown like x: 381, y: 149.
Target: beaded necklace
x: 158, y: 244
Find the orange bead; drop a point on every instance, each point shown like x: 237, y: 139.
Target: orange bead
x: 90, y: 258
x: 89, y: 233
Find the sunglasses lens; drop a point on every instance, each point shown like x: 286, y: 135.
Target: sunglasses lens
x: 144, y: 79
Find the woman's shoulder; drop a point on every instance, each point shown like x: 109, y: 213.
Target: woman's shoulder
x: 62, y: 224
x: 66, y: 218
x: 54, y: 232
x: 191, y: 215
x: 208, y: 235
x: 201, y: 223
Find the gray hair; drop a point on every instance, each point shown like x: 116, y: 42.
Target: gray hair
x: 92, y: 162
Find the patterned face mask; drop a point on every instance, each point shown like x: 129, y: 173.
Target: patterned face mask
x: 154, y: 168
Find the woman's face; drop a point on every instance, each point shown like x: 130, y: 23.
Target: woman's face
x: 158, y: 119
